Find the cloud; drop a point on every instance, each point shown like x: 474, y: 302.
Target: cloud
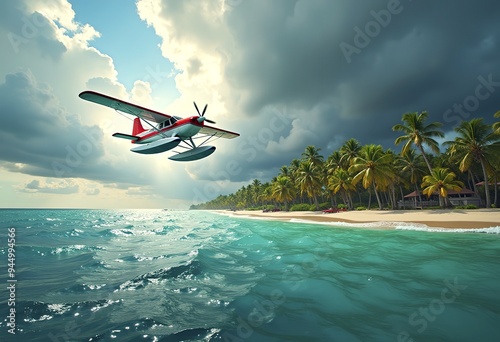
x: 273, y: 71
x: 287, y: 54
x: 92, y: 191
x: 62, y: 187
x: 41, y: 135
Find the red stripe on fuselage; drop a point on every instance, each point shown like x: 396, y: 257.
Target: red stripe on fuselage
x: 183, y: 128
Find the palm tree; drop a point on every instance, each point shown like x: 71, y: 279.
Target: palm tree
x: 496, y: 125
x: 334, y: 162
x: 309, y: 179
x: 293, y: 167
x: 441, y: 180
x: 349, y: 151
x: 373, y: 167
x: 255, y: 190
x: 417, y: 133
x: 412, y: 166
x: 311, y: 155
x: 476, y: 143
x: 342, y: 181
x: 394, y: 178
x: 285, y: 171
x: 283, y: 190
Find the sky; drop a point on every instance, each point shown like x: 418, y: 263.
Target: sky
x: 284, y: 74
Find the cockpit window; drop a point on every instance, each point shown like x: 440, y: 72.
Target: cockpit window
x: 169, y: 122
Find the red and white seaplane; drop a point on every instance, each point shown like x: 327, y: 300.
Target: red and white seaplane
x: 166, y: 132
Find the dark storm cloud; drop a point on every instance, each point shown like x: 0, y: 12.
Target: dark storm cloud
x: 292, y: 53
x: 406, y: 56
x: 41, y: 138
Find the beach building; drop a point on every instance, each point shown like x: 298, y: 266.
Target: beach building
x: 416, y: 200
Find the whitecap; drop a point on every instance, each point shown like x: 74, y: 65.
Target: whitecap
x: 403, y: 226
x: 490, y: 230
x: 68, y: 249
x: 59, y: 309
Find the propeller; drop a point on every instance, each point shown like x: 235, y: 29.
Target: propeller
x: 202, y: 114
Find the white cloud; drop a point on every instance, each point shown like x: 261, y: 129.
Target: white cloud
x: 49, y: 131
x: 50, y: 186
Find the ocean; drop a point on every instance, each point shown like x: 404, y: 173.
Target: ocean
x: 155, y: 275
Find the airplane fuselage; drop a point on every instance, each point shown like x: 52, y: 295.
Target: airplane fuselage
x: 165, y: 132
x: 182, y: 128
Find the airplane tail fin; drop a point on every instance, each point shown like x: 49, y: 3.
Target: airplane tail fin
x: 137, y: 128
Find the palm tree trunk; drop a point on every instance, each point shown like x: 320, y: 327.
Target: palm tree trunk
x: 351, y: 205
x: 316, y: 204
x: 496, y: 190
x: 425, y: 158
x: 377, y: 195
x: 471, y: 175
x: 486, y: 187
x: 417, y: 191
x: 393, y: 193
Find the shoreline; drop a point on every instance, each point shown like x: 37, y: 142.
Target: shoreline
x: 388, y: 219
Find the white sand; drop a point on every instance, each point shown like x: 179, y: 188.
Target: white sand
x: 453, y: 218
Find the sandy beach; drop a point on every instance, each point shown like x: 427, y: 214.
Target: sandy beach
x: 453, y: 218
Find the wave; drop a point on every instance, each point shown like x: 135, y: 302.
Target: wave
x: 151, y: 328
x: 83, y: 288
x: 36, y: 311
x: 490, y: 230
x: 196, y: 334
x: 402, y: 226
x: 74, y: 248
x: 187, y: 271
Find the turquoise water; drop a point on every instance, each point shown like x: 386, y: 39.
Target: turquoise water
x: 152, y: 275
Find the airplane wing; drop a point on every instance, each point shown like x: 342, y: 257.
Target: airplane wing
x: 221, y: 133
x: 125, y: 107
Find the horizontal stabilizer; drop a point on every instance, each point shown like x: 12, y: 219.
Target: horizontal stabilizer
x: 126, y: 136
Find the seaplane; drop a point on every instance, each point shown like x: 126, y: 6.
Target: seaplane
x: 165, y: 132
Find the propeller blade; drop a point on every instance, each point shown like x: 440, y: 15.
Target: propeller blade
x: 202, y: 114
x: 195, y: 106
